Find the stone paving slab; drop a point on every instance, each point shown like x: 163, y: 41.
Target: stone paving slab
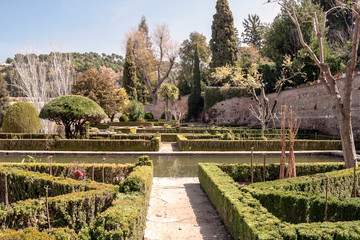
x: 179, y: 209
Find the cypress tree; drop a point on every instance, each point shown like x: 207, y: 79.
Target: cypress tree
x: 223, y: 43
x: 4, y: 99
x: 194, y: 102
x: 129, y: 75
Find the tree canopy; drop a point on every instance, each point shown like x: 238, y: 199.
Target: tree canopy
x: 253, y: 28
x: 101, y: 87
x: 187, y: 60
x: 73, y: 112
x: 223, y: 43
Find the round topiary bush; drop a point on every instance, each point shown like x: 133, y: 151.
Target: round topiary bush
x: 22, y: 117
x: 149, y: 116
x: 73, y: 112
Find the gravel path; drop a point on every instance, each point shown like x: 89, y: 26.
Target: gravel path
x: 179, y: 209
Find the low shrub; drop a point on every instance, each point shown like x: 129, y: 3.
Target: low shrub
x: 124, y: 118
x: 148, y: 116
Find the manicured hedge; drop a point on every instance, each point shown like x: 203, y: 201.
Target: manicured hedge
x: 114, y: 173
x: 242, y: 214
x: 102, y: 211
x: 81, y: 144
x: 241, y: 172
x: 247, y: 218
x: 121, y: 124
x: 245, y: 145
x: 27, y: 136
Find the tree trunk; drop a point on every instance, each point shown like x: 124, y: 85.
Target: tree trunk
x: 347, y: 140
x: 263, y: 127
x: 154, y: 97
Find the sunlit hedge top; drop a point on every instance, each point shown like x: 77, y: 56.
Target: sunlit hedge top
x: 72, y: 108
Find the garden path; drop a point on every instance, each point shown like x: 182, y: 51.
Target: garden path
x: 179, y: 209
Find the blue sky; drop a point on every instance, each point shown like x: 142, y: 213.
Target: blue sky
x: 100, y: 25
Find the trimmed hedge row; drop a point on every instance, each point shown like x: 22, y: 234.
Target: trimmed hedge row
x: 246, y: 218
x: 114, y: 173
x: 81, y: 144
x: 25, y: 185
x: 340, y: 183
x: 245, y: 145
x: 241, y: 172
x: 242, y: 214
x: 102, y: 213
x: 121, y: 124
x: 27, y: 136
x: 121, y: 221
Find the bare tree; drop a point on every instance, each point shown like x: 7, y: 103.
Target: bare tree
x: 264, y: 110
x: 34, y: 74
x: 32, y: 78
x: 342, y: 99
x: 61, y: 73
x: 155, y: 63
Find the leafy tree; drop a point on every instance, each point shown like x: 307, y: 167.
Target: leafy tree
x: 129, y: 74
x: 187, y: 59
x: 22, y: 117
x: 73, y: 112
x: 134, y: 110
x: 100, y: 87
x: 4, y: 98
x: 169, y: 94
x: 223, y: 43
x: 194, y: 102
x: 252, y: 30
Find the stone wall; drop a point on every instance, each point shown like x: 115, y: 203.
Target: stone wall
x: 313, y: 104
x: 158, y: 109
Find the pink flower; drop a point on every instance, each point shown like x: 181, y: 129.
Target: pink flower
x: 79, y: 174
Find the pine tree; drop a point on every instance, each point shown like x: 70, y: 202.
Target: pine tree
x: 130, y: 77
x: 194, y: 102
x: 252, y: 30
x: 224, y: 42
x: 4, y: 99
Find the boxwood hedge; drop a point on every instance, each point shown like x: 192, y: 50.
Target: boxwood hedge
x: 78, y: 210
x: 283, y: 209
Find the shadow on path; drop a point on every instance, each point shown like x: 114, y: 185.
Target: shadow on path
x: 209, y: 221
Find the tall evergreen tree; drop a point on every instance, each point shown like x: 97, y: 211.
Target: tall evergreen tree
x: 4, y: 99
x: 130, y: 77
x: 194, y: 102
x: 223, y: 44
x: 252, y: 30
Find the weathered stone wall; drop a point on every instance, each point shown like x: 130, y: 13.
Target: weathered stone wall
x: 313, y: 104
x: 158, y: 109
